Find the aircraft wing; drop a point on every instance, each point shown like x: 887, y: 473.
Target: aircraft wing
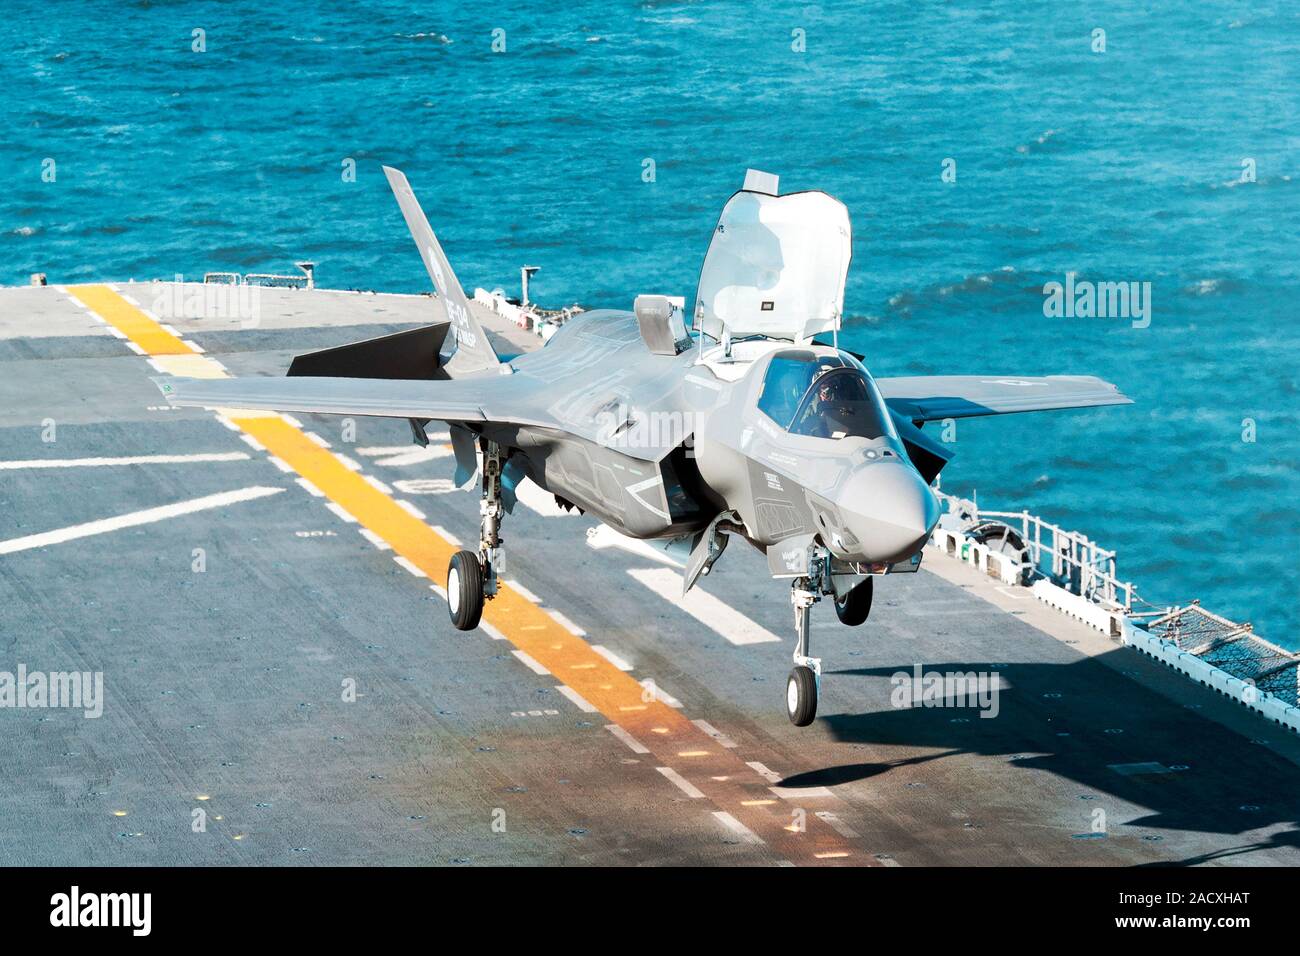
x: 936, y: 397
x: 457, y: 400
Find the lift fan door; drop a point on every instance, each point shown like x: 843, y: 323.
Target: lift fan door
x: 775, y: 267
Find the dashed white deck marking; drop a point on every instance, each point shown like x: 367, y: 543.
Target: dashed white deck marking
x: 737, y: 828
x: 450, y: 538
x: 704, y: 607
x: 684, y: 785
x: 308, y: 487
x: 529, y: 595
x: 414, y: 455
x: 603, y: 536
x: 410, y: 509
x: 787, y: 793
x: 564, y: 622
x: 342, y: 515
x: 661, y: 695
x: 577, y: 699
x: 409, y: 566
x: 130, y: 460
x: 530, y: 662
x: 722, y: 739
x: 839, y: 826
x: 535, y: 499
x: 610, y: 656
x: 632, y: 743
x: 424, y: 486
x: 147, y: 516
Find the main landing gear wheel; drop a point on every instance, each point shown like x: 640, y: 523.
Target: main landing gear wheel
x: 801, y: 696
x: 465, y: 590
x: 852, y: 609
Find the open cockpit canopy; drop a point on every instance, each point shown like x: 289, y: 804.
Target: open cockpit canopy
x: 776, y: 265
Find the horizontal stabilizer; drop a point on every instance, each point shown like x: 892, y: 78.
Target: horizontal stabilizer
x: 411, y: 355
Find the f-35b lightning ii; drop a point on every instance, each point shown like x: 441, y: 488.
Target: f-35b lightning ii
x: 739, y: 425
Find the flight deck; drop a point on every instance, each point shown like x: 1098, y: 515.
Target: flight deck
x: 282, y: 683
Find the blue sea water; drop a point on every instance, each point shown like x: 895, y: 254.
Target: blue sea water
x: 1118, y: 165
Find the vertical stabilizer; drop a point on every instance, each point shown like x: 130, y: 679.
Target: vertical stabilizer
x: 467, y: 348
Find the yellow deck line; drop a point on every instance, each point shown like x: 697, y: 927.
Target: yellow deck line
x: 151, y: 337
x: 617, y: 695
x: 524, y: 624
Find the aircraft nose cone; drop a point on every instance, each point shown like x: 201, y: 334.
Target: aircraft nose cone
x: 890, y: 511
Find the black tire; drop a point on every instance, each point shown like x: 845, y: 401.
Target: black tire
x: 1003, y: 539
x: 801, y: 696
x: 852, y: 609
x: 465, y: 590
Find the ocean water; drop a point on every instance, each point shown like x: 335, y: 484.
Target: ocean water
x: 1122, y: 165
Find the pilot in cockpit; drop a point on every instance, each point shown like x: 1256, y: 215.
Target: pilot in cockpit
x: 822, y: 414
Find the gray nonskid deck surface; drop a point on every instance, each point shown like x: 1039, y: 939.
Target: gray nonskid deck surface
x: 228, y: 684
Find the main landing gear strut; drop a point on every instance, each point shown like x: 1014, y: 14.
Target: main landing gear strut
x: 472, y: 577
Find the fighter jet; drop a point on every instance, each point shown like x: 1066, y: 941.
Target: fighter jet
x: 743, y: 422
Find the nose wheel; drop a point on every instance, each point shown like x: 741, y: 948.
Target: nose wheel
x: 801, y: 696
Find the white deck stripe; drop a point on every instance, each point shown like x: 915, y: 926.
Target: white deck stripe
x: 530, y: 662
x: 444, y: 533
x: 310, y: 488
x: 836, y: 824
x: 132, y: 460
x: 524, y: 592
x: 610, y: 656
x: 722, y: 739
x: 535, y: 499
x: 578, y: 700
x: 409, y: 566
x: 682, y: 784
x: 603, y: 536
x: 737, y: 828
x: 410, y: 509
x: 632, y: 743
x: 147, y: 516
x: 342, y: 515
x: 565, y: 623
x: 787, y: 793
x: 704, y: 607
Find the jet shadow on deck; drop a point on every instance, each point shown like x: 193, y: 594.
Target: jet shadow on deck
x: 1085, y: 722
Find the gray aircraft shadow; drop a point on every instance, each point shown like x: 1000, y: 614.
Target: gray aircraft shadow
x: 1080, y: 721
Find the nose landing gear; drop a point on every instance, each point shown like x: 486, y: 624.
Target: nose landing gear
x: 471, y: 576
x: 805, y: 680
